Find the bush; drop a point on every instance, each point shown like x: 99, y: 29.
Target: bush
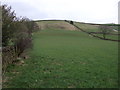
x: 71, y: 22
x: 16, y: 33
x: 8, y: 19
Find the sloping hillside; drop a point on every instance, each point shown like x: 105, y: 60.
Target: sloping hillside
x: 65, y: 25
x: 61, y: 58
x: 88, y: 27
x: 61, y: 24
x: 95, y: 27
x: 56, y: 24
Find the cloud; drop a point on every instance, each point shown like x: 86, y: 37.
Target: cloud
x: 95, y: 11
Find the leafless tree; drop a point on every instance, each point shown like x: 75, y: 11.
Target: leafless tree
x: 105, y: 30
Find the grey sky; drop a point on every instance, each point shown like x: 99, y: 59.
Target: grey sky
x: 93, y: 11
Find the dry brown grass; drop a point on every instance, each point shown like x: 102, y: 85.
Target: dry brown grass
x: 56, y: 25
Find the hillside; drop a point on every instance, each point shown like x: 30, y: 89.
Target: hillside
x: 55, y: 24
x: 57, y: 53
x: 61, y: 24
x: 63, y: 57
x: 87, y: 27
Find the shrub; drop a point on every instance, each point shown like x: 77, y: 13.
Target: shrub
x: 16, y: 33
x: 8, y: 19
x: 71, y: 22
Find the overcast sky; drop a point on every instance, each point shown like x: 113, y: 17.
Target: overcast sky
x: 91, y: 11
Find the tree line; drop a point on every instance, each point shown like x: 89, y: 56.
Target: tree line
x: 16, y: 31
x: 16, y: 35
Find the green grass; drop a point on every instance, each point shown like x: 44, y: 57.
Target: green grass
x: 88, y: 27
x: 113, y: 37
x: 67, y: 59
x: 95, y: 28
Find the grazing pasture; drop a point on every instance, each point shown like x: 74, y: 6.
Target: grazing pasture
x: 113, y: 34
x: 66, y: 59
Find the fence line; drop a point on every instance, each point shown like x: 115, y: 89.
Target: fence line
x: 91, y: 33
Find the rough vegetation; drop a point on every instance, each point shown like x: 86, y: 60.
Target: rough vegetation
x: 16, y: 34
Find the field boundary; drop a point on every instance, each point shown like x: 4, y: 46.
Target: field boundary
x: 92, y: 33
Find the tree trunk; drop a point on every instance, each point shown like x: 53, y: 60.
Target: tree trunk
x: 104, y: 36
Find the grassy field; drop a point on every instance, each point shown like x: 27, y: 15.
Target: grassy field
x: 95, y: 28
x: 88, y: 27
x: 66, y: 59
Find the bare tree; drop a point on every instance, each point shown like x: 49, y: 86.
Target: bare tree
x: 105, y: 30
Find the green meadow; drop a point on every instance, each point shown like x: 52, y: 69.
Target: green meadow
x: 66, y: 59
